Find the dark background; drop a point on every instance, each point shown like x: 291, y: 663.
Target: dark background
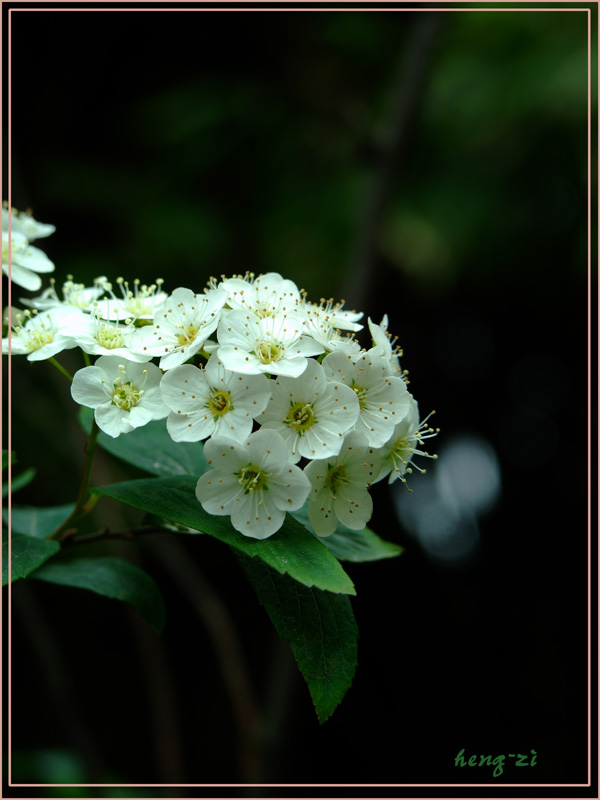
x: 431, y: 166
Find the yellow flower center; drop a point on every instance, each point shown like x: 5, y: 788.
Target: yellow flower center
x: 126, y: 395
x: 109, y: 337
x: 251, y: 478
x: 39, y: 338
x: 361, y: 394
x: 336, y: 477
x: 187, y: 335
x: 301, y: 417
x: 220, y: 402
x: 268, y: 352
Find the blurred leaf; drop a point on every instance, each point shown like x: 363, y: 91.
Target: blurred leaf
x: 111, y: 577
x: 36, y: 522
x: 151, y: 449
x: 49, y: 766
x: 349, y: 545
x: 291, y: 550
x: 22, y: 480
x: 26, y: 555
x: 7, y: 456
x: 319, y: 626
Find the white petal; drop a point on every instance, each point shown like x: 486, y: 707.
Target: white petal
x: 320, y: 512
x: 59, y: 344
x: 237, y: 360
x: 34, y: 259
x: 190, y: 428
x: 291, y: 367
x: 340, y: 405
x: 226, y: 454
x: 353, y: 507
x: 179, y: 356
x: 25, y: 225
x: 236, y: 426
x: 185, y: 389
x: 267, y: 450
x: 291, y: 489
x: 23, y: 277
x: 251, y: 393
x: 17, y: 347
x: 138, y: 416
x: 112, y: 420
x: 217, y: 491
x: 320, y: 441
x: 91, y: 387
x: 306, y: 346
x: 152, y: 402
x: 257, y: 515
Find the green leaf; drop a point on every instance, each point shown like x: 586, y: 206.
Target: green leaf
x: 151, y: 449
x: 319, y: 626
x: 349, y: 545
x: 292, y: 550
x: 111, y: 577
x: 26, y: 555
x: 19, y: 482
x: 36, y: 522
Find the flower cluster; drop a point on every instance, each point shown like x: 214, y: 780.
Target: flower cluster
x: 289, y: 405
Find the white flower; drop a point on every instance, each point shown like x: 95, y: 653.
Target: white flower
x: 23, y: 223
x: 143, y: 302
x: 212, y: 401
x: 124, y: 395
x: 76, y: 295
x: 340, y: 484
x: 384, y: 400
x: 181, y: 327
x: 99, y: 336
x: 26, y: 261
x: 310, y: 413
x: 253, y: 481
x: 273, y: 345
x: 40, y: 335
x: 383, y: 340
x: 397, y: 454
x: 323, y: 322
x: 266, y: 296
x: 326, y: 313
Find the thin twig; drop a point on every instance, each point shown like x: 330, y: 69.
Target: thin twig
x: 227, y: 646
x: 162, y: 701
x: 71, y: 537
x: 364, y: 277
x: 60, y: 368
x: 81, y: 507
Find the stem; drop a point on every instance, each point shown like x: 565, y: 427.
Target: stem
x: 80, y: 506
x: 86, y: 359
x: 60, y: 368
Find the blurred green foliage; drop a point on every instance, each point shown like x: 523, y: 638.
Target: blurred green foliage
x: 264, y: 163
